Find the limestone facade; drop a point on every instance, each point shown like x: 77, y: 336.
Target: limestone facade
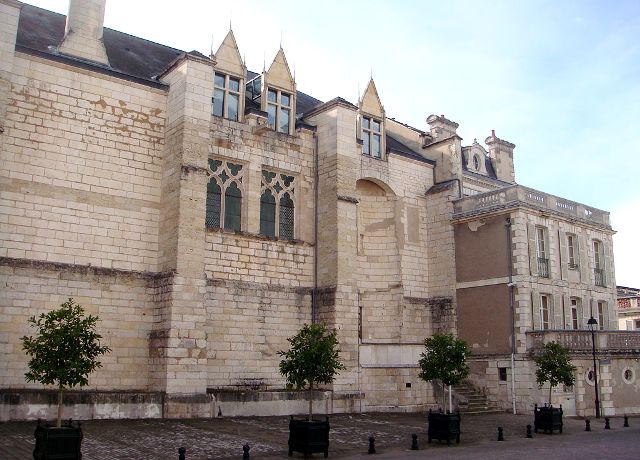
x: 205, y: 213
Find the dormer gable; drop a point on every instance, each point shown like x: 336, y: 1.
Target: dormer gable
x: 227, y: 58
x: 279, y: 74
x: 370, y: 125
x: 229, y: 80
x: 475, y: 158
x: 370, y: 101
x: 277, y: 94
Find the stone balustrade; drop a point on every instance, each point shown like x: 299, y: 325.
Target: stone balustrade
x: 518, y: 195
x: 580, y: 341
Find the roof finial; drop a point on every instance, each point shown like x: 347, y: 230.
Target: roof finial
x: 264, y: 61
x: 230, y: 29
x: 493, y: 133
x: 358, y: 92
x: 280, y: 37
x: 294, y: 71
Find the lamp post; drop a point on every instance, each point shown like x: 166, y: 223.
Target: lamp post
x: 593, y: 324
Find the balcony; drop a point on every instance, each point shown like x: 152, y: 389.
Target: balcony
x: 579, y: 342
x: 543, y: 267
x: 517, y: 195
x: 600, y: 278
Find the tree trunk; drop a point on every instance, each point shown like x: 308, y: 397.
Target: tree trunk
x: 310, y: 400
x: 59, y: 422
x: 550, y: 388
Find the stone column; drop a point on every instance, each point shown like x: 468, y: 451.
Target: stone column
x: 179, y: 343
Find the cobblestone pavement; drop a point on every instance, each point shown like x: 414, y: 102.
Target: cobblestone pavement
x: 223, y: 438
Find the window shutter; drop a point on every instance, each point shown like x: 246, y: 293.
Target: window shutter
x: 585, y: 272
x: 586, y: 311
x: 566, y: 306
x: 564, y: 256
x: 533, y: 258
x: 608, y: 264
x: 558, y: 320
x: 535, y: 309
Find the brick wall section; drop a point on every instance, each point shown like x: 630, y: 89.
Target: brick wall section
x: 247, y: 324
x: 81, y: 168
x: 121, y: 299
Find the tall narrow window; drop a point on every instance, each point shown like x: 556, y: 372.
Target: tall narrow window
x: 279, y: 109
x: 598, y: 259
x: 544, y: 311
x: 572, y: 249
x: 541, y: 252
x: 574, y: 312
x: 226, y: 181
x: 602, y: 307
x: 277, y: 205
x: 371, y: 137
x: 226, y: 96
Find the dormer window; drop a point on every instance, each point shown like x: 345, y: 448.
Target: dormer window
x: 279, y: 110
x: 226, y: 96
x: 371, y: 137
x: 476, y: 162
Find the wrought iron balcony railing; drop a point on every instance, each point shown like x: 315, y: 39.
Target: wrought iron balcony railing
x: 600, y: 278
x: 543, y: 267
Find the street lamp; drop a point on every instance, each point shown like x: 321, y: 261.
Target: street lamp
x: 593, y: 324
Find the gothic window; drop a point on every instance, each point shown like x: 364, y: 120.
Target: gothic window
x: 279, y: 110
x: 277, y: 205
x: 371, y: 137
x: 225, y: 181
x: 226, y: 96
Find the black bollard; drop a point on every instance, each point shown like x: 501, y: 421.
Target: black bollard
x: 245, y: 452
x: 181, y: 453
x: 414, y: 441
x: 626, y: 422
x: 500, y: 434
x: 606, y: 423
x: 587, y: 424
x: 529, y: 435
x: 372, y: 445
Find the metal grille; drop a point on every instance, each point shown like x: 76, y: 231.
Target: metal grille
x: 600, y: 278
x: 543, y: 267
x: 286, y: 222
x: 212, y: 219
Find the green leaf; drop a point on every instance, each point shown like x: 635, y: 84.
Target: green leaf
x: 312, y: 358
x: 65, y: 348
x: 444, y: 359
x: 554, y: 366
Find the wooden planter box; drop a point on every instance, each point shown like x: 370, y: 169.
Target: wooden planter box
x: 58, y: 443
x: 309, y: 437
x: 444, y: 426
x: 547, y: 418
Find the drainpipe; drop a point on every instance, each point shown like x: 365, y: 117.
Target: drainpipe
x: 513, y: 317
x: 314, y: 294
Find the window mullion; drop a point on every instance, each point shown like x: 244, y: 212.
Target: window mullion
x: 223, y: 192
x: 277, y: 216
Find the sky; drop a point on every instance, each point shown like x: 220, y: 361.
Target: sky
x: 558, y: 78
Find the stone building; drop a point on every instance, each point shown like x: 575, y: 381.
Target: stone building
x: 206, y: 212
x: 628, y: 308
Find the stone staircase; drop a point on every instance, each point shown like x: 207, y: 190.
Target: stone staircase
x: 470, y: 400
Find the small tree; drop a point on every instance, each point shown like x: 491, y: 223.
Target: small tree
x: 312, y: 359
x: 554, y: 366
x: 444, y: 359
x: 65, y: 349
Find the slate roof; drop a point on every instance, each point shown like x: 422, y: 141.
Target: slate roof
x: 42, y: 31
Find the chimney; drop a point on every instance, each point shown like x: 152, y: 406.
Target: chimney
x: 441, y: 128
x: 83, y: 31
x: 501, y: 154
